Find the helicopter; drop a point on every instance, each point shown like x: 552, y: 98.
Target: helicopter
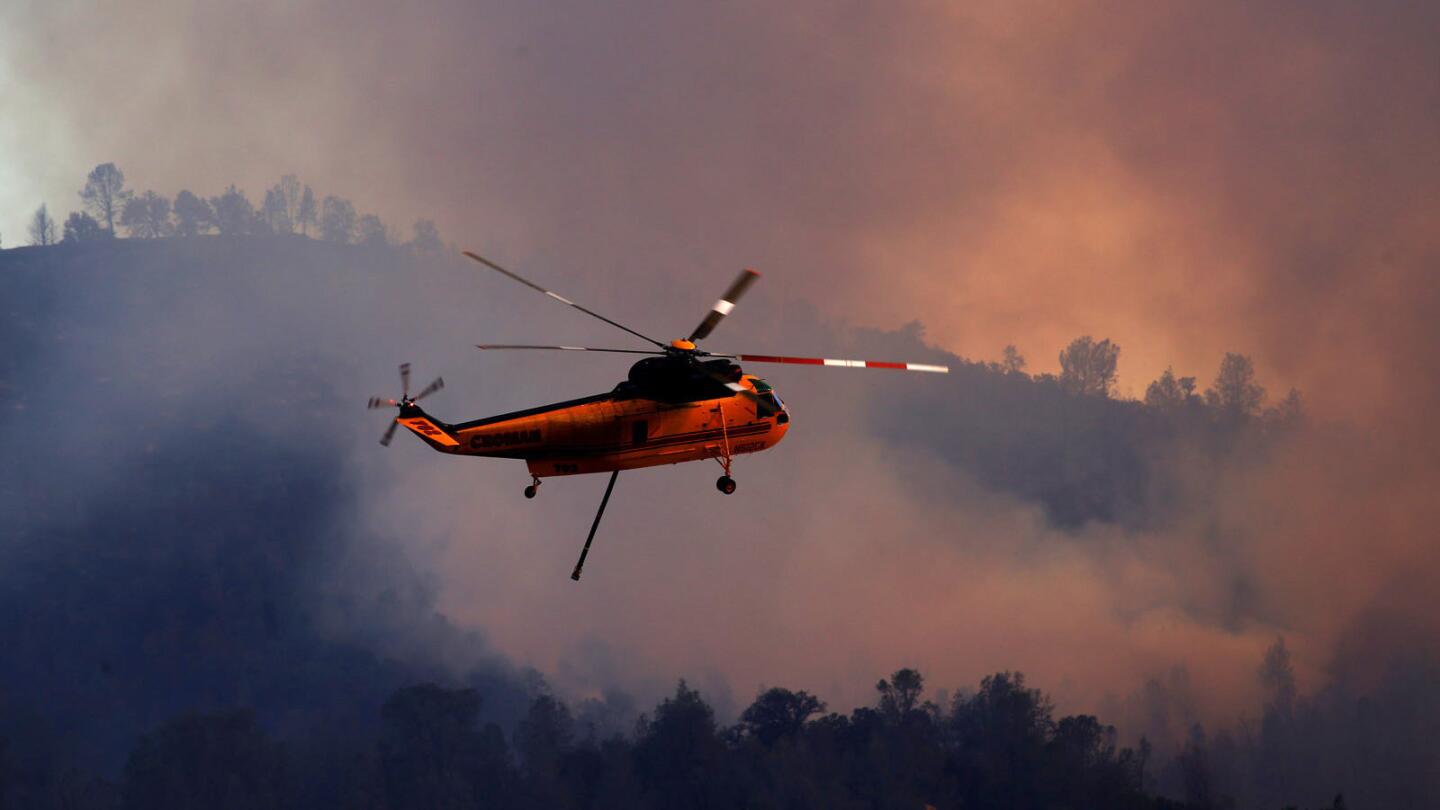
x: 679, y: 403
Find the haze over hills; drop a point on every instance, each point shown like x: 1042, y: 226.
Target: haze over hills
x: 200, y: 522
x: 1242, y: 192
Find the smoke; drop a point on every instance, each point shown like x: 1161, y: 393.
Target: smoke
x: 180, y: 521
x: 1185, y: 181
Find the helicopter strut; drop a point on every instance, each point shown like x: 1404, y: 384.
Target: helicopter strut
x: 575, y: 575
x: 725, y: 483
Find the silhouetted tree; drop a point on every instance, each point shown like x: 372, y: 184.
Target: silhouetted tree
x: 427, y: 238
x: 273, y: 211
x: 1085, y: 739
x: 898, y: 745
x: 545, y: 732
x: 308, y: 214
x: 542, y: 739
x: 779, y: 713
x: 290, y: 193
x: 216, y: 761
x: 432, y: 755
x: 1235, y: 390
x: 1287, y: 413
x: 1087, y: 367
x: 337, y: 220
x: 234, y: 215
x: 602, y: 775
x: 81, y: 227
x: 147, y: 216
x: 678, y: 754
x: 999, y: 736
x: 1012, y: 362
x: 1083, y: 766
x: 1277, y: 677
x: 42, y: 227
x: 1168, y: 391
x: 612, y: 713
x: 104, y: 194
x: 1196, y: 774
x: 372, y: 231
x: 193, y: 215
x: 901, y: 694
x: 1142, y: 760
x: 1274, y: 774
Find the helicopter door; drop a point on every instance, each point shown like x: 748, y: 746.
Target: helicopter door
x: 639, y: 432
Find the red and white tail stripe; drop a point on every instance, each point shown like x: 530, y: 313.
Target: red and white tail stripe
x: 825, y: 361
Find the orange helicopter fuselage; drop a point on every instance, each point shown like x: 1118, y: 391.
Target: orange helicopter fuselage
x: 609, y: 432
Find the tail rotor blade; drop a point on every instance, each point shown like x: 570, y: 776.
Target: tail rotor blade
x: 389, y: 433
x: 430, y: 389
x: 724, y: 305
x: 404, y: 401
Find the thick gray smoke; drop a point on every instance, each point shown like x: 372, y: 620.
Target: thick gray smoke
x: 1186, y: 181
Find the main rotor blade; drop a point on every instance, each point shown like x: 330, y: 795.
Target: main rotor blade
x: 430, y: 389
x: 562, y: 299
x: 724, y: 305
x: 490, y: 346
x: 389, y: 433
x: 575, y: 575
x: 405, y: 380
x: 382, y: 402
x: 825, y: 361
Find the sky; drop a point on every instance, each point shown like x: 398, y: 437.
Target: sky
x: 1185, y: 180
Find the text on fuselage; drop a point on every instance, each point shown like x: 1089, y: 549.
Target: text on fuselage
x: 504, y: 438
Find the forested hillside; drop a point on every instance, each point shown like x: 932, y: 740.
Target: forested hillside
x: 178, y: 504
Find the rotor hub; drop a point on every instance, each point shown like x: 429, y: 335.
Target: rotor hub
x: 406, y: 402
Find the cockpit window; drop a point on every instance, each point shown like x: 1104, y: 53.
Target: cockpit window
x: 765, y: 392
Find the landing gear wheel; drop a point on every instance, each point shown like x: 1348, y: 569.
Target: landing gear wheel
x: 534, y: 486
x: 725, y: 484
x: 530, y: 491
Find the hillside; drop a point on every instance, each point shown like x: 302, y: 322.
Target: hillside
x: 183, y: 415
